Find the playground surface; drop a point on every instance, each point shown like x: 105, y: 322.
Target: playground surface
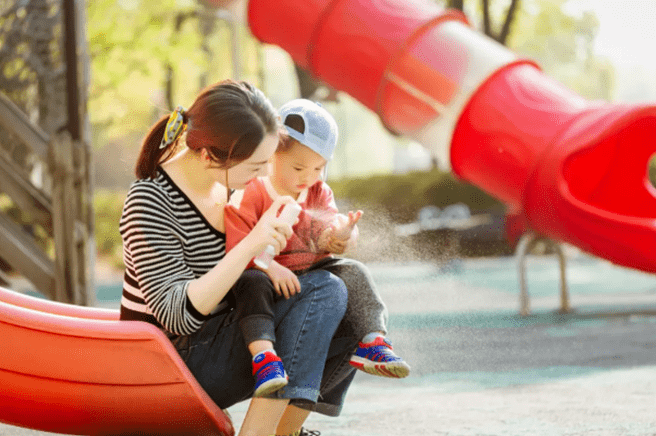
x: 481, y: 369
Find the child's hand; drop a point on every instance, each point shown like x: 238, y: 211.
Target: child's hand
x: 336, y: 246
x: 284, y: 280
x: 341, y: 235
x: 343, y: 226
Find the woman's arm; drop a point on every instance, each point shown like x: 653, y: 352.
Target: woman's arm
x: 154, y: 259
x: 208, y: 290
x: 242, y: 216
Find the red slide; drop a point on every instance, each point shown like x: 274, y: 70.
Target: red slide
x: 574, y: 170
x: 79, y: 370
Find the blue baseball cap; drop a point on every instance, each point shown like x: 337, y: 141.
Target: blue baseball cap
x: 320, y: 127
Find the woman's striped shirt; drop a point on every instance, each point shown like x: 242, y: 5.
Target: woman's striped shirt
x: 167, y: 243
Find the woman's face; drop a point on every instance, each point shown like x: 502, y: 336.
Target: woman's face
x: 238, y: 176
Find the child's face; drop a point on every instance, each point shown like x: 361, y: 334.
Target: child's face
x: 297, y: 168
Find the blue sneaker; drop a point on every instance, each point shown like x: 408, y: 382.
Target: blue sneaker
x: 269, y: 374
x: 377, y: 358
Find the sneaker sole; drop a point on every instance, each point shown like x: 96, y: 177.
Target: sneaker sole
x: 270, y: 387
x: 391, y: 370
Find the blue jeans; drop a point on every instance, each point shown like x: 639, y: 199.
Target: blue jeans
x: 314, y: 351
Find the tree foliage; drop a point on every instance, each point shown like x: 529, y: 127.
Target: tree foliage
x: 562, y: 45
x: 141, y: 49
x: 542, y: 30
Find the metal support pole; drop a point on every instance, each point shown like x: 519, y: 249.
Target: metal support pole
x: 564, y: 294
x: 526, y: 242
x: 522, y: 248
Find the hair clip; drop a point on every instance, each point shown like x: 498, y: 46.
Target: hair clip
x: 174, y: 127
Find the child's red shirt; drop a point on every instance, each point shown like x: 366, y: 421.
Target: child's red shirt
x: 318, y: 212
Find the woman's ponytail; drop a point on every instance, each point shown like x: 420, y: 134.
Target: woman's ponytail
x: 151, y: 153
x: 159, y: 141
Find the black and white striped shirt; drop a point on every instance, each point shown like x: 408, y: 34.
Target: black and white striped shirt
x: 167, y: 243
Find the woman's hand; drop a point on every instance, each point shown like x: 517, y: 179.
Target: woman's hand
x: 284, y: 280
x: 270, y: 230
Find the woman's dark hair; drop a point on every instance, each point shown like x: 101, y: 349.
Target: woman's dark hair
x: 295, y: 122
x: 229, y: 119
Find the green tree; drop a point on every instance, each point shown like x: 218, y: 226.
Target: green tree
x: 543, y: 31
x: 147, y: 56
x: 563, y: 46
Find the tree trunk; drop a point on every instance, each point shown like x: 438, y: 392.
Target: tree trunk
x: 170, y: 72
x: 307, y: 84
x: 502, y: 36
x: 487, y: 25
x: 510, y: 18
x: 456, y: 4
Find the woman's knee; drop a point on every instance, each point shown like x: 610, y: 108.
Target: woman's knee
x: 330, y: 290
x: 339, y: 292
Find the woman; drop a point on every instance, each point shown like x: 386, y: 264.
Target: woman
x: 179, y: 277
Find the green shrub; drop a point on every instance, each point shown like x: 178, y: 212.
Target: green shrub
x: 652, y: 170
x: 403, y: 195
x: 108, y: 206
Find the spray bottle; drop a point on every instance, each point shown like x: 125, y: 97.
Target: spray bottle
x: 288, y: 215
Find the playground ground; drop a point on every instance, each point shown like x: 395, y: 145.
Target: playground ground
x: 481, y: 369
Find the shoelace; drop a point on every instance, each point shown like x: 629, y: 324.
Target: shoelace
x: 268, y: 369
x: 379, y: 354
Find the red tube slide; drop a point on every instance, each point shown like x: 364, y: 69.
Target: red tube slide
x: 575, y: 170
x: 79, y: 370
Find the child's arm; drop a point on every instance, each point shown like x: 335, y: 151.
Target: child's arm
x: 284, y: 280
x: 324, y: 216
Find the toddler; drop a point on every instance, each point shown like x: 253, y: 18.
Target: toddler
x: 320, y: 233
